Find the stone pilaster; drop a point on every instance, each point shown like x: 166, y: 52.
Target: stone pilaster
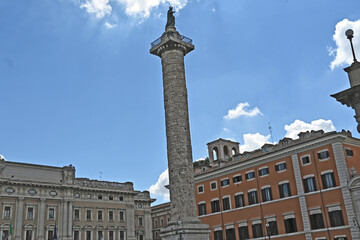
x: 19, y: 218
x: 148, y: 225
x: 70, y: 219
x: 342, y: 170
x: 130, y: 222
x: 41, y: 219
x: 302, y: 200
x: 172, y: 48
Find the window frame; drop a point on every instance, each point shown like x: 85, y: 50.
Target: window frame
x: 302, y: 161
x: 263, y: 168
x: 247, y: 174
x: 198, y: 188
x: 277, y: 167
x: 322, y: 151
x: 213, y: 182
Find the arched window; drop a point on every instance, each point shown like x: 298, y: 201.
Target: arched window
x: 233, y: 151
x: 215, y: 153
x: 226, y: 152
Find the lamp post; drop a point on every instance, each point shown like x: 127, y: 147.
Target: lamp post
x: 180, y: 232
x: 268, y: 229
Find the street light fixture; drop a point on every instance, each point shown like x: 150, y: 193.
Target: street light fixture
x: 268, y: 229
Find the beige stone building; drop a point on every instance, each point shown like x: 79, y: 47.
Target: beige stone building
x: 37, y: 200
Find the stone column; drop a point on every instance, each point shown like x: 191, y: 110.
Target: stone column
x: 171, y: 49
x: 41, y: 220
x: 130, y: 222
x: 64, y: 219
x: 19, y: 218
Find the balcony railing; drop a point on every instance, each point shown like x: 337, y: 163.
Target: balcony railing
x: 171, y: 34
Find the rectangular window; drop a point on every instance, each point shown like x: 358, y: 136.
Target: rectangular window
x: 250, y: 175
x: 280, y: 167
x: 225, y: 182
x: 7, y: 212
x: 305, y: 160
x: 5, y: 234
x: 76, y: 235
x: 323, y: 155
x: 290, y: 225
x: 111, y: 215
x: 161, y: 222
x: 257, y: 230
x: 272, y: 228
x: 155, y: 223
x: 226, y: 203
x: 243, y: 233
x: 111, y: 235
x: 239, y: 200
x: 50, y: 235
x: 349, y: 152
x: 340, y: 238
x: 213, y: 185
x: 218, y: 235
x: 122, y: 235
x: 230, y: 234
x: 77, y: 214
x: 29, y: 234
x: 336, y: 218
x: 30, y: 213
x: 237, y: 179
x: 141, y: 221
x: 316, y: 221
x: 264, y: 172
x: 121, y: 216
x: 100, y: 235
x: 266, y: 194
x: 99, y: 215
x: 51, y: 213
x: 284, y: 190
x: 309, y: 184
x: 88, y: 235
x: 253, y: 199
x: 328, y: 180
x: 88, y: 215
x: 200, y: 189
x: 202, y: 209
x: 215, y: 206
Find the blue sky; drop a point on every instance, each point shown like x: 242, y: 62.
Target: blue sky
x: 78, y: 85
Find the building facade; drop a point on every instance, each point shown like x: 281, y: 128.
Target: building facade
x: 297, y: 189
x: 37, y: 201
x: 308, y: 188
x: 160, y: 215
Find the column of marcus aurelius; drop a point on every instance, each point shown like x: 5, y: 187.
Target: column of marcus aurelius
x: 171, y: 47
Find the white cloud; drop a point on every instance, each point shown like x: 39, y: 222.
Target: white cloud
x: 241, y: 110
x: 109, y: 25
x: 298, y: 126
x: 142, y: 8
x: 253, y: 141
x: 98, y: 7
x: 159, y: 189
x: 342, y: 51
x: 133, y: 8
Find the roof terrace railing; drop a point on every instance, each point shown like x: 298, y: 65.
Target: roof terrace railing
x: 170, y: 34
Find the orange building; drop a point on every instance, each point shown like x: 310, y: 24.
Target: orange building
x: 308, y: 188
x: 296, y: 189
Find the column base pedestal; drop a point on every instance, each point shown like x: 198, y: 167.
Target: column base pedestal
x: 186, y: 231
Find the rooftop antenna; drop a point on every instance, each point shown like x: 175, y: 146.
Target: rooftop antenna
x: 272, y: 139
x: 100, y: 176
x: 350, y: 34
